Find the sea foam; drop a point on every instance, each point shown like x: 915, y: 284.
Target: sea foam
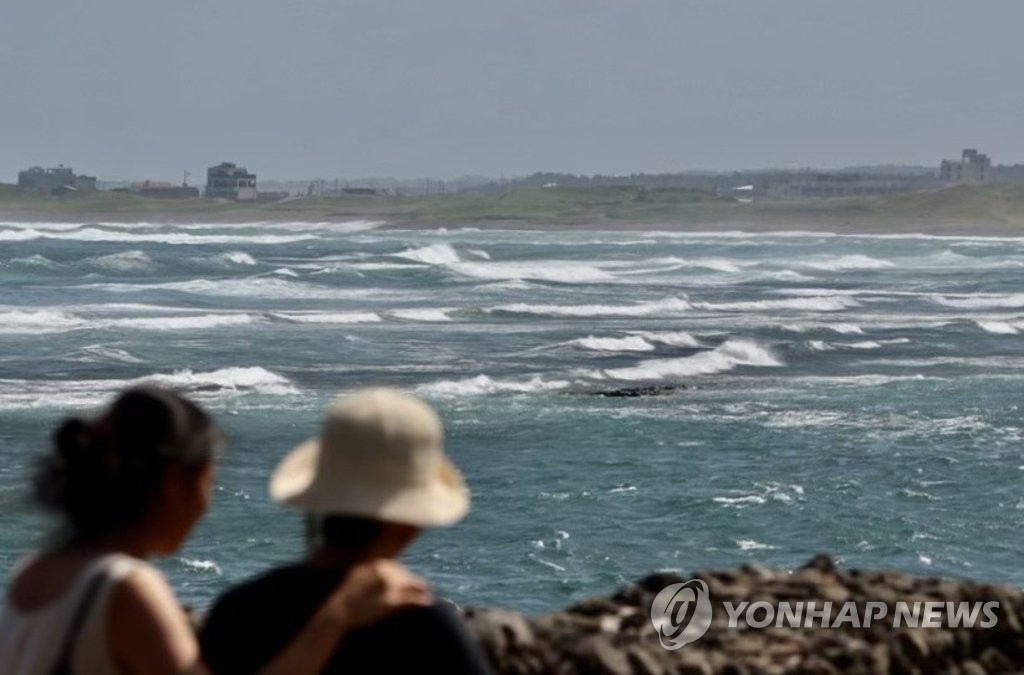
x: 727, y: 356
x: 668, y: 306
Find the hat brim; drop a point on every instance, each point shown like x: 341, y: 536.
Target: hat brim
x: 443, y: 500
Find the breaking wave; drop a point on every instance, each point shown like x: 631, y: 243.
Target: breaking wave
x: 427, y: 314
x: 328, y: 317
x: 727, y: 356
x: 668, y: 306
x: 482, y: 384
x: 633, y: 343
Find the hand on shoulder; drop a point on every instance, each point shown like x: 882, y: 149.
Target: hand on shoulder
x: 376, y: 589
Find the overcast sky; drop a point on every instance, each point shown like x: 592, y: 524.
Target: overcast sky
x: 130, y: 89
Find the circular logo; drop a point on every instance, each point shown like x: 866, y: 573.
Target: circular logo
x: 681, y: 613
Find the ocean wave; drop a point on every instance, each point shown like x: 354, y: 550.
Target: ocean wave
x: 999, y: 327
x: 482, y: 385
x: 558, y: 271
x: 235, y: 258
x: 428, y: 314
x: 668, y: 306
x: 328, y: 317
x: 126, y: 261
x: 38, y: 321
x: 253, y: 378
x: 670, y: 338
x: 753, y: 545
x: 204, y: 385
x: 34, y: 260
x: 841, y: 328
x: 378, y: 266
x: 808, y: 304
x: 633, y: 343
x: 201, y: 566
x: 97, y: 234
x: 258, y: 287
x: 182, y: 323
x: 848, y: 262
x: 727, y: 356
x: 982, y: 301
x: 434, y: 254
x: 765, y: 493
x: 53, y: 321
x: 822, y: 346
x: 107, y: 354
x: 512, y: 285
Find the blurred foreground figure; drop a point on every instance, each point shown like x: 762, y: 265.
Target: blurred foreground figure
x: 376, y: 476
x: 130, y: 485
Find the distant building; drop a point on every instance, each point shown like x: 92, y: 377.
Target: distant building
x: 973, y: 167
x: 55, y: 180
x: 229, y: 181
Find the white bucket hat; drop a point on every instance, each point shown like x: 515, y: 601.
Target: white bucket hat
x: 379, y: 456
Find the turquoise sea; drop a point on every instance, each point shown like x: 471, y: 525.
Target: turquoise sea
x: 848, y: 394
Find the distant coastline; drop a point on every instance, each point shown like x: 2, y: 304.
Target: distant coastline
x: 991, y: 210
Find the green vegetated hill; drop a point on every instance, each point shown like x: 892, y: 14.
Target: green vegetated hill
x: 1000, y: 208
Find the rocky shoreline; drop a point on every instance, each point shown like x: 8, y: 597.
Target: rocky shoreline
x: 614, y: 634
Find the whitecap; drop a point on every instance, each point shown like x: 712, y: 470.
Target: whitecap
x: 181, y: 323
x: 849, y: 262
x: 657, y: 307
x: 434, y: 254
x: 328, y: 317
x: 428, y: 314
x: 482, y: 384
x: 726, y: 356
x: 97, y: 234
x: 201, y: 566
x: 34, y: 260
x: 670, y: 338
x: 235, y: 258
x: 997, y: 327
x: 810, y: 304
x: 261, y: 287
x: 982, y: 301
x: 126, y: 261
x: 254, y: 378
x: 633, y: 343
x: 205, y: 385
x: 107, y: 353
x: 558, y: 271
x: 39, y: 321
x: 753, y: 545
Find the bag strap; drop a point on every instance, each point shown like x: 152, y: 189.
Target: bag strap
x: 63, y: 666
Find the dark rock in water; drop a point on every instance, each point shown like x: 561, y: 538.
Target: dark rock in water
x: 614, y: 634
x: 634, y: 392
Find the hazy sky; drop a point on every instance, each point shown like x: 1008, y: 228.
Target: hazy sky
x: 301, y: 88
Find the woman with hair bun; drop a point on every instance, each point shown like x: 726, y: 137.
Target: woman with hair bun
x: 130, y: 485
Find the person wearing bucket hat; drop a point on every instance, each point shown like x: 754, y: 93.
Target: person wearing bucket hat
x: 368, y: 484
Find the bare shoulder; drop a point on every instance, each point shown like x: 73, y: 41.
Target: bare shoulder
x: 147, y: 630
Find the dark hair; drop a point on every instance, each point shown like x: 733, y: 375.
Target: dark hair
x: 350, y: 532
x: 101, y: 473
